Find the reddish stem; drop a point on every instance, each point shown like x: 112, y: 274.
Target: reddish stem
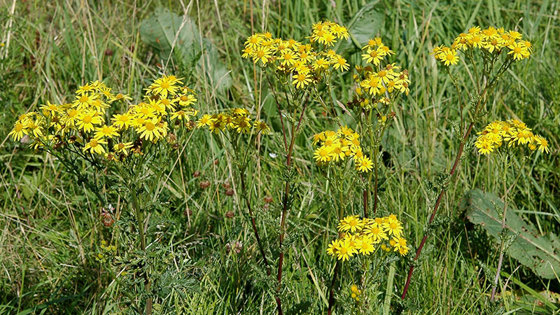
x: 365, y: 202
x: 436, y: 207
x: 285, y: 200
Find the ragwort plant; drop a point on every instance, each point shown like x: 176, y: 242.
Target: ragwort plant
x: 238, y: 132
x: 488, y: 53
x: 504, y: 138
x: 293, y: 71
x: 379, y: 84
x: 121, y: 147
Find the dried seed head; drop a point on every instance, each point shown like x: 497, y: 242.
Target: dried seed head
x: 107, y: 219
x: 204, y: 184
x: 229, y: 192
x: 238, y: 247
x: 187, y: 212
x: 196, y: 174
x: 268, y: 199
x: 226, y: 185
x: 171, y: 138
x: 230, y: 214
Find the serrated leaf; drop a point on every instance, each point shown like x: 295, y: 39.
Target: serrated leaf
x: 538, y: 252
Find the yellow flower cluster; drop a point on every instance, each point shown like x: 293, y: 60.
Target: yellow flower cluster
x: 87, y: 125
x: 384, y: 82
x: 491, y: 40
x: 355, y: 293
x: 305, y: 63
x: 365, y: 236
x: 336, y: 146
x: 513, y: 133
x: 237, y: 119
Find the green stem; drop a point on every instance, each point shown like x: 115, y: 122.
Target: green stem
x: 139, y: 214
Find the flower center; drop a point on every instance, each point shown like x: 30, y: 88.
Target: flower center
x: 150, y: 126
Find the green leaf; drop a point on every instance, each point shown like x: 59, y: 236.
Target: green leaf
x: 538, y: 252
x: 175, y: 36
x: 365, y: 25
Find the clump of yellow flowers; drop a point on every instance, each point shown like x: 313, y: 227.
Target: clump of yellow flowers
x: 304, y: 63
x: 365, y: 236
x: 378, y: 83
x: 87, y: 125
x: 355, y: 293
x: 237, y: 119
x: 335, y: 146
x: 513, y: 133
x: 491, y: 41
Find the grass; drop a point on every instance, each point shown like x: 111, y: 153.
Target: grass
x: 51, y: 229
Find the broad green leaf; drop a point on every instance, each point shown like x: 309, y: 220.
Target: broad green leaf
x: 174, y: 36
x: 538, y: 252
x: 365, y: 25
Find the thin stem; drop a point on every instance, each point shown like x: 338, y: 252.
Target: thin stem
x: 331, y: 290
x: 140, y: 221
x: 443, y: 189
x: 256, y: 232
x: 285, y: 199
x: 337, y: 267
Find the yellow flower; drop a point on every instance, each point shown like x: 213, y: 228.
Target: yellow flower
x: 542, y: 144
x: 106, y: 132
x: 261, y: 126
x: 85, y: 100
x: 151, y: 130
x: 365, y: 245
x: 341, y: 64
x: 87, y: 119
x: 376, y: 232
x: 301, y: 80
x: 120, y: 97
x: 186, y: 100
x: 204, y: 121
x: 164, y: 86
x: 323, y: 154
x: 50, y: 109
x: 122, y: 121
x: 364, y: 164
x: 18, y: 131
x: 519, y: 51
x: 122, y: 147
x: 523, y: 136
x: 450, y: 57
x: 288, y: 58
x: 373, y: 56
x: 399, y: 245
x: 393, y: 226
x: 483, y: 145
x: 95, y: 146
x: 345, y: 250
x: 351, y: 223
x: 262, y: 54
